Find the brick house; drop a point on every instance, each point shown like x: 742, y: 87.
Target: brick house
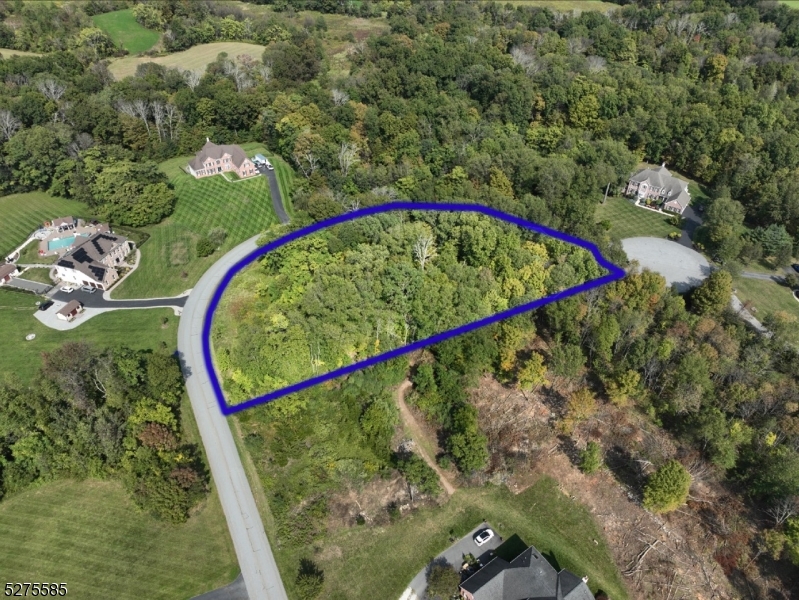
x: 660, y: 188
x: 527, y: 576
x: 94, y: 262
x: 7, y: 271
x: 215, y: 158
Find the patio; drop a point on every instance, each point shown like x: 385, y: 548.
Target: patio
x: 61, y: 240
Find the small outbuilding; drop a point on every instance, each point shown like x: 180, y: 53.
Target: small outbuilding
x: 72, y: 309
x: 7, y: 271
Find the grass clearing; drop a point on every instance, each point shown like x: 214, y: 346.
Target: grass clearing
x: 567, y: 5
x: 790, y: 3
x: 766, y: 296
x: 170, y: 264
x: 23, y: 213
x: 387, y: 558
x: 195, y: 58
x: 133, y: 328
x: 30, y: 255
x: 6, y: 52
x: 41, y: 275
x: 126, y: 32
x: 628, y: 220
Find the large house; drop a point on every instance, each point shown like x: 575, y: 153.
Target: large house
x: 215, y: 158
x: 94, y: 262
x: 527, y: 576
x: 7, y: 271
x: 660, y: 187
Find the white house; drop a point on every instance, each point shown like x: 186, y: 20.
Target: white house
x: 658, y: 185
x: 94, y: 262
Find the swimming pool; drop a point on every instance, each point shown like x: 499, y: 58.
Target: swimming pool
x: 62, y: 243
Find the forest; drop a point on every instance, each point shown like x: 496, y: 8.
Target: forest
x: 378, y: 283
x: 106, y: 414
x: 524, y: 109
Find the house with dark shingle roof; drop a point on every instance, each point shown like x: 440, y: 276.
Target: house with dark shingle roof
x: 7, y: 271
x: 95, y: 261
x: 658, y: 185
x: 529, y: 576
x: 215, y: 158
x: 71, y: 310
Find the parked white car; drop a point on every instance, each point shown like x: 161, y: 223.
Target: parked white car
x: 269, y: 166
x: 88, y: 289
x: 67, y: 289
x: 483, y: 536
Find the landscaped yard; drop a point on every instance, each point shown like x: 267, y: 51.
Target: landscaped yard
x: 126, y: 32
x: 628, y: 220
x: 195, y: 58
x: 541, y: 516
x: 90, y: 535
x: 170, y: 264
x: 37, y: 274
x: 23, y: 213
x: 766, y: 296
x: 132, y: 328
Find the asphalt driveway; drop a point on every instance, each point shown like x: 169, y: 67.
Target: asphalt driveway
x: 274, y: 191
x: 96, y: 300
x: 454, y: 556
x: 692, y: 222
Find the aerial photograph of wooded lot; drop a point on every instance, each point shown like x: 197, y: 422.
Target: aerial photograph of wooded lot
x: 639, y: 440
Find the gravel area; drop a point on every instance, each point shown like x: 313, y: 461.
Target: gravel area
x: 682, y: 267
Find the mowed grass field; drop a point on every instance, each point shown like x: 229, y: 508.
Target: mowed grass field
x: 790, y: 3
x: 170, y: 264
x: 628, y: 220
x: 387, y: 558
x: 194, y: 59
x: 23, y: 213
x: 766, y: 296
x: 141, y: 328
x: 126, y: 32
x: 90, y: 535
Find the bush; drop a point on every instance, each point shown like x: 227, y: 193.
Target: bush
x: 591, y: 458
x: 667, y: 488
x: 310, y: 580
x: 442, y: 582
x: 217, y: 235
x: 205, y: 247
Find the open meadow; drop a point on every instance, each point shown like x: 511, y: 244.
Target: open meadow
x: 193, y: 59
x: 126, y: 32
x: 170, y: 264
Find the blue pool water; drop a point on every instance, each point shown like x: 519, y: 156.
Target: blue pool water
x: 62, y: 243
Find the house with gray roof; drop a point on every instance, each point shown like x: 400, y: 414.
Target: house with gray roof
x: 529, y: 576
x: 7, y: 271
x: 216, y: 158
x: 659, y: 187
x: 94, y: 262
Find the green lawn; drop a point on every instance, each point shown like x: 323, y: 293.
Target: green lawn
x: 37, y: 274
x: 628, y: 220
x: 133, y: 328
x: 791, y: 3
x: 90, y: 535
x: 385, y: 559
x: 122, y: 27
x: 23, y: 213
x: 30, y: 255
x: 766, y: 296
x: 170, y: 263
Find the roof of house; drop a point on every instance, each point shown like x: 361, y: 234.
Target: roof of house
x: 528, y: 576
x: 216, y: 151
x: 7, y: 269
x: 63, y: 221
x: 661, y: 178
x: 88, y: 256
x: 70, y: 307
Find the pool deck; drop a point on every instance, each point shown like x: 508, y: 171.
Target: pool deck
x: 78, y: 230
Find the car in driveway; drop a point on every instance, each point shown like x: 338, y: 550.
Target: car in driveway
x: 88, y: 289
x: 795, y: 267
x: 45, y: 305
x: 481, y: 537
x: 67, y: 289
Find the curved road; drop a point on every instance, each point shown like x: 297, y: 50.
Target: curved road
x: 256, y: 561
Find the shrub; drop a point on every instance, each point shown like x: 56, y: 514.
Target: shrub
x: 442, y: 582
x: 217, y: 235
x: 205, y: 247
x: 667, y: 488
x: 310, y: 580
x: 591, y: 458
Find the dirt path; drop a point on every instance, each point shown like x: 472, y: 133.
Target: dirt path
x: 416, y: 431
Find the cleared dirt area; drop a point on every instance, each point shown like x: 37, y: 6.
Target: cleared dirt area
x: 6, y: 52
x: 196, y: 58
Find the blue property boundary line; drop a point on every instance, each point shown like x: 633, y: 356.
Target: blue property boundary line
x: 614, y: 273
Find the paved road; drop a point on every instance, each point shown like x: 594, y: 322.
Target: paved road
x: 454, y: 556
x: 96, y: 300
x: 274, y: 190
x: 31, y: 286
x: 692, y: 222
x: 256, y: 561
